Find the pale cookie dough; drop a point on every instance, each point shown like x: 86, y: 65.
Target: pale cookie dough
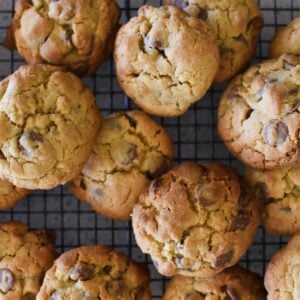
x: 282, y: 275
x: 48, y: 124
x: 237, y: 25
x: 165, y: 60
x: 25, y: 256
x: 76, y: 34
x: 235, y: 283
x: 286, y: 40
x: 279, y: 192
x: 95, y: 272
x: 130, y: 150
x: 259, y: 114
x: 196, y: 220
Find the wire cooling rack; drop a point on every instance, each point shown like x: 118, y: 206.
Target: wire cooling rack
x: 195, y: 139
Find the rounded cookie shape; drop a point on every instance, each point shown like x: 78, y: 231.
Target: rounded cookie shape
x: 130, y: 150
x: 10, y: 195
x: 233, y: 283
x: 282, y: 274
x: 48, y: 123
x: 286, y: 40
x: 259, y: 114
x: 25, y: 256
x: 95, y: 272
x: 76, y: 34
x: 237, y: 25
x: 165, y: 60
x: 279, y: 191
x: 195, y: 220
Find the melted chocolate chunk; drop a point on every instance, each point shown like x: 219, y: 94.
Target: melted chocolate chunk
x: 241, y: 222
x: 275, y: 133
x: 82, y: 271
x: 224, y: 259
x: 7, y: 280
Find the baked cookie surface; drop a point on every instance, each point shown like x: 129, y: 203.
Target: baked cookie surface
x: 279, y: 192
x: 165, y: 60
x: 232, y: 284
x: 95, y: 272
x: 48, y: 123
x: 130, y: 150
x: 25, y: 256
x: 195, y: 220
x: 76, y: 34
x: 259, y: 114
x: 237, y: 25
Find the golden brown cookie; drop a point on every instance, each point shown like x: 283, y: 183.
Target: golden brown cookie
x: 130, y: 150
x: 196, y: 220
x: 235, y: 283
x: 279, y: 191
x: 48, y: 124
x: 286, y: 40
x: 259, y: 114
x: 165, y: 60
x: 25, y: 256
x: 237, y: 25
x: 95, y: 272
x: 282, y: 275
x: 76, y: 34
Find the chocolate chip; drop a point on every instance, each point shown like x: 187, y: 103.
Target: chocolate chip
x: 7, y: 280
x: 271, y: 80
x: 33, y: 136
x: 293, y: 92
x: 158, y: 45
x: 107, y: 269
x: 130, y: 155
x: 140, y: 294
x: 241, y: 38
x: 233, y: 93
x: 248, y: 113
x: 194, y: 296
x: 223, y: 260
x: 83, y: 185
x: 203, y: 14
x: 241, y: 222
x: 82, y: 272
x: 275, y: 133
x: 231, y: 293
x: 286, y: 209
x: 98, y: 193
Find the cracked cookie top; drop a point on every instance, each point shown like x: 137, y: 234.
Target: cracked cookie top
x: 235, y: 283
x: 282, y: 275
x: 95, y: 272
x: 195, y: 220
x: 10, y: 195
x: 25, y: 256
x: 237, y: 25
x: 286, y: 40
x: 165, y: 60
x: 77, y: 34
x: 259, y: 114
x: 130, y: 150
x: 279, y: 191
x: 48, y: 123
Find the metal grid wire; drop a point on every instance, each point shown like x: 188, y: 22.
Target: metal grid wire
x: 194, y: 135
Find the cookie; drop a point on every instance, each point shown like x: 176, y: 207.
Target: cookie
x: 195, y: 220
x: 258, y: 114
x: 165, y: 60
x: 25, y: 256
x: 282, y: 275
x: 233, y: 283
x: 279, y: 191
x: 76, y: 34
x: 95, y: 272
x: 286, y: 40
x: 48, y: 123
x: 130, y: 150
x: 10, y: 195
x: 237, y: 25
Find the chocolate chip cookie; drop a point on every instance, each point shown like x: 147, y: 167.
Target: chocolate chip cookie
x: 25, y: 256
x: 165, y: 60
x: 282, y: 275
x: 286, y: 40
x: 259, y: 114
x: 95, y: 272
x: 196, y: 220
x: 48, y: 123
x: 237, y: 25
x: 233, y: 284
x: 78, y: 35
x: 10, y: 195
x: 130, y: 150
x: 279, y: 192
